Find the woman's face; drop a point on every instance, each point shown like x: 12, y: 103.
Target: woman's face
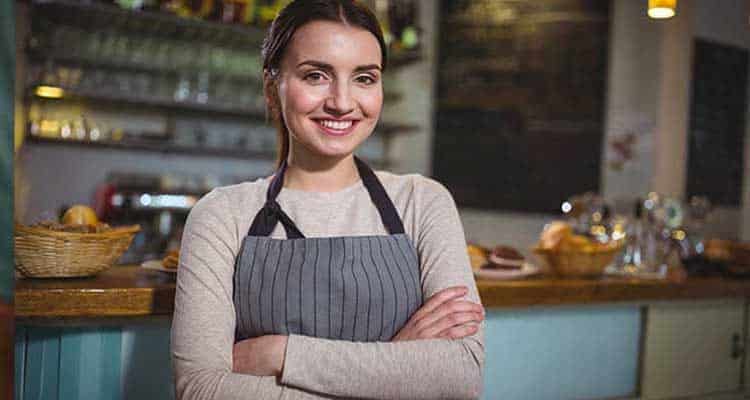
x: 330, y: 88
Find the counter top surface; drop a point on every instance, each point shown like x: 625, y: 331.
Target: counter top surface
x: 120, y: 291
x: 126, y: 291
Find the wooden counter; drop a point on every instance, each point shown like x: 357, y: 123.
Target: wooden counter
x: 134, y: 291
x: 551, y: 291
x: 117, y: 292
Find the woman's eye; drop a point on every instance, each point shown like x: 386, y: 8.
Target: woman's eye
x: 314, y: 77
x: 366, y: 79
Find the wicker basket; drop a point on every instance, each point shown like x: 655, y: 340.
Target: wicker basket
x: 585, y: 263
x: 46, y: 253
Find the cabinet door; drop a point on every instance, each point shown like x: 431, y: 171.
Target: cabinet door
x: 688, y: 349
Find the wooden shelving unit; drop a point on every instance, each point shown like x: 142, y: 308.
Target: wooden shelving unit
x: 90, y: 16
x: 152, y: 146
x: 254, y: 113
x: 95, y: 15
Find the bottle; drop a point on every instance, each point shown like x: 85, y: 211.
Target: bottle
x: 381, y: 11
x: 632, y: 258
x: 268, y: 9
x: 402, y: 18
x: 238, y: 11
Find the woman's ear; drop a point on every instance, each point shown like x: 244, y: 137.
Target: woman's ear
x: 270, y: 91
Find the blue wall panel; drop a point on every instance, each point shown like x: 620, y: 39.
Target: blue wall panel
x: 42, y: 364
x: 94, y: 363
x: 146, y: 363
x: 70, y: 364
x: 90, y: 363
x: 561, y: 353
x: 19, y: 362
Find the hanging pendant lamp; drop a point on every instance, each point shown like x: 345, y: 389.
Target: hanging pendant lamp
x: 662, y: 9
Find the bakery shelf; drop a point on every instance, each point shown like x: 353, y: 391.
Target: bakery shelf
x: 99, y: 16
x: 154, y: 102
x: 93, y: 15
x: 41, y: 58
x: 152, y: 146
x: 170, y: 148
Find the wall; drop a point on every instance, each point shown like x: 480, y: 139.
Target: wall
x: 82, y: 169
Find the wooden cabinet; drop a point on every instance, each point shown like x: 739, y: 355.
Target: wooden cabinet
x: 693, y: 349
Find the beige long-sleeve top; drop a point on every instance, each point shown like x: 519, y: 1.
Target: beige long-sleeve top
x: 204, y: 319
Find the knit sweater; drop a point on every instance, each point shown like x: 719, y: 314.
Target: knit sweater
x: 204, y: 321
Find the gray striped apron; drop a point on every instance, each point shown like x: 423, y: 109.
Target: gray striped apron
x: 357, y: 288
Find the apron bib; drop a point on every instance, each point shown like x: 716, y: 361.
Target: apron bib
x: 357, y: 288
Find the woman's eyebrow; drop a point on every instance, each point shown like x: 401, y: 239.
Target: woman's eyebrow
x: 329, y: 68
x: 317, y: 64
x: 367, y: 68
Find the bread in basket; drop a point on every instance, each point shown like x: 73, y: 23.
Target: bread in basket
x: 570, y: 255
x: 44, y: 252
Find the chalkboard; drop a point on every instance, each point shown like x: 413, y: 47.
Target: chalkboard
x: 717, y: 122
x: 521, y: 90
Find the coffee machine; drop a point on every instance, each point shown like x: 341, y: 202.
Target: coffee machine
x: 159, y: 204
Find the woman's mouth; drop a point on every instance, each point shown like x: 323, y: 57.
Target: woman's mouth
x: 336, y: 127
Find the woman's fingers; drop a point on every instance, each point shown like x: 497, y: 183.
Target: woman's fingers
x: 442, y: 314
x: 437, y: 299
x: 459, y: 332
x: 445, y: 309
x: 450, y: 321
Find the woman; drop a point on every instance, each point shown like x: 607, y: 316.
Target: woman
x: 310, y: 284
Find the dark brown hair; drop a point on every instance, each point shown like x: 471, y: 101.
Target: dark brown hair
x: 292, y: 17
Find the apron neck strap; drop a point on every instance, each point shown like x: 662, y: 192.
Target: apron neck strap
x: 271, y: 213
x: 383, y: 203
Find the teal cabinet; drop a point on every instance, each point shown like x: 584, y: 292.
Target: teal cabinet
x: 93, y: 362
x: 562, y: 353
x: 543, y: 353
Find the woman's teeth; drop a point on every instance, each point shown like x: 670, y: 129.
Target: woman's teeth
x: 337, y: 125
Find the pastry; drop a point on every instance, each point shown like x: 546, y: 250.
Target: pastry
x: 171, y: 260
x: 553, y: 234
x: 80, y: 215
x: 505, y: 257
x: 477, y: 256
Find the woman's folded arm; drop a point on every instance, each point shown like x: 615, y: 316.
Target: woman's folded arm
x: 417, y: 369
x: 203, y: 323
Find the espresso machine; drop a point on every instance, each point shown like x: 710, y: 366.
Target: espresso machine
x: 159, y: 204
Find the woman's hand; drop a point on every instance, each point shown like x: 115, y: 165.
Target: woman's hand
x: 444, y: 316
x: 260, y: 356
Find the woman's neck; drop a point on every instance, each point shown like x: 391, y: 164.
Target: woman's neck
x: 320, y: 174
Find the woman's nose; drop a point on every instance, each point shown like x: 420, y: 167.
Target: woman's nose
x: 339, y: 101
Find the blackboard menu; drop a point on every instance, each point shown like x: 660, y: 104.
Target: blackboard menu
x: 520, y: 108
x: 717, y: 122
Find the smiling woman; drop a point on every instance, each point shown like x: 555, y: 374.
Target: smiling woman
x: 327, y: 278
